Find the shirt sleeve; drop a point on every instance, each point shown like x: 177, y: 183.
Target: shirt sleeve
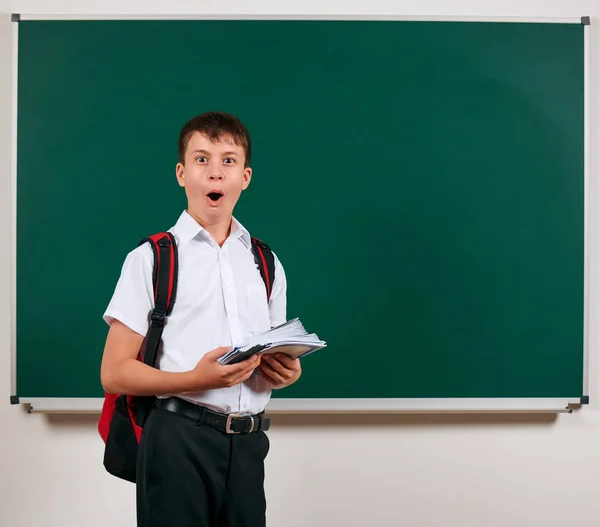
x: 133, y: 298
x: 278, y: 301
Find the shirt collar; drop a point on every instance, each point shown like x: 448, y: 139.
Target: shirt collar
x: 187, y: 228
x: 238, y: 230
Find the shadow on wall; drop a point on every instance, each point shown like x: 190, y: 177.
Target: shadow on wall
x: 414, y: 420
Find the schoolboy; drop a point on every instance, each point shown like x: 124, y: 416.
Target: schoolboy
x: 191, y: 473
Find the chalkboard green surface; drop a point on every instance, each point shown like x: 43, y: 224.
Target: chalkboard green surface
x: 422, y: 183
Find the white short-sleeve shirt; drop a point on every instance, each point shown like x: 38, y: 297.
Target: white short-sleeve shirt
x: 221, y: 301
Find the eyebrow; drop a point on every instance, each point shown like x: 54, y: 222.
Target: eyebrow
x: 208, y: 153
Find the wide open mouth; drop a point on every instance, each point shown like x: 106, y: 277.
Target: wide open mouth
x: 215, y: 195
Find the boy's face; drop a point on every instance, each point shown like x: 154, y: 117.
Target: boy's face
x: 213, y: 177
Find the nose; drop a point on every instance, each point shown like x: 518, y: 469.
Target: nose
x: 215, y: 173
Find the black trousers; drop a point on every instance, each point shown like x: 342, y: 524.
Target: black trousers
x: 197, y: 476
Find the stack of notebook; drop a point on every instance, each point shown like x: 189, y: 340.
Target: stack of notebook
x: 290, y: 338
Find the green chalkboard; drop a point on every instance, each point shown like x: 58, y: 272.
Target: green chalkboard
x: 422, y: 183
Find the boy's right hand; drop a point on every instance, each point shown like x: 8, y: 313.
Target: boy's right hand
x: 209, y: 374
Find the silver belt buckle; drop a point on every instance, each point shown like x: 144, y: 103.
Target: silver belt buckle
x: 230, y: 417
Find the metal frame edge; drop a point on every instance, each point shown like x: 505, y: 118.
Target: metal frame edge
x: 354, y: 406
x: 13, y: 211
x: 587, y: 176
x: 299, y: 16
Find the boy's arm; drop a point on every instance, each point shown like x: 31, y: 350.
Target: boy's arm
x: 121, y: 372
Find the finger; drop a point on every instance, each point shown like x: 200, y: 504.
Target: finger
x: 241, y: 367
x: 279, y: 376
x: 243, y: 378
x: 270, y: 375
x: 247, y: 373
x: 277, y: 365
x: 235, y: 378
x: 288, y: 362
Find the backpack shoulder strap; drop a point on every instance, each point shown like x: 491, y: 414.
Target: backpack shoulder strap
x: 164, y: 280
x: 266, y: 263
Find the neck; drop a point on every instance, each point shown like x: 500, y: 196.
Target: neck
x: 219, y: 230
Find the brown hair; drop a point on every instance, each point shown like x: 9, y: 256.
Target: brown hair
x: 215, y: 125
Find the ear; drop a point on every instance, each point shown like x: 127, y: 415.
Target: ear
x: 247, y: 177
x: 180, y: 173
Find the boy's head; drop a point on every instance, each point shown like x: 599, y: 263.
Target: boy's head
x: 216, y: 126
x: 214, y: 157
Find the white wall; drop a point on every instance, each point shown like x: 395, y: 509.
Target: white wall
x: 419, y: 471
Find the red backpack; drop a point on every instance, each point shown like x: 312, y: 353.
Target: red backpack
x: 123, y: 416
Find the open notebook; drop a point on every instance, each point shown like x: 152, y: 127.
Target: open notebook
x: 290, y: 338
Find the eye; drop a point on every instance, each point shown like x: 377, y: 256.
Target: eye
x: 201, y: 159
x: 229, y: 161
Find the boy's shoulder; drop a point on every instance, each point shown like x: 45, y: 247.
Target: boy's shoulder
x: 142, y: 251
x: 139, y: 260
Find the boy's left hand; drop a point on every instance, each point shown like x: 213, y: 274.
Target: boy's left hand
x: 279, y: 370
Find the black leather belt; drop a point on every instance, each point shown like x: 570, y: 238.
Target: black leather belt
x: 228, y: 423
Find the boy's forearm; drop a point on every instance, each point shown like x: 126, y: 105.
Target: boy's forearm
x: 133, y: 377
